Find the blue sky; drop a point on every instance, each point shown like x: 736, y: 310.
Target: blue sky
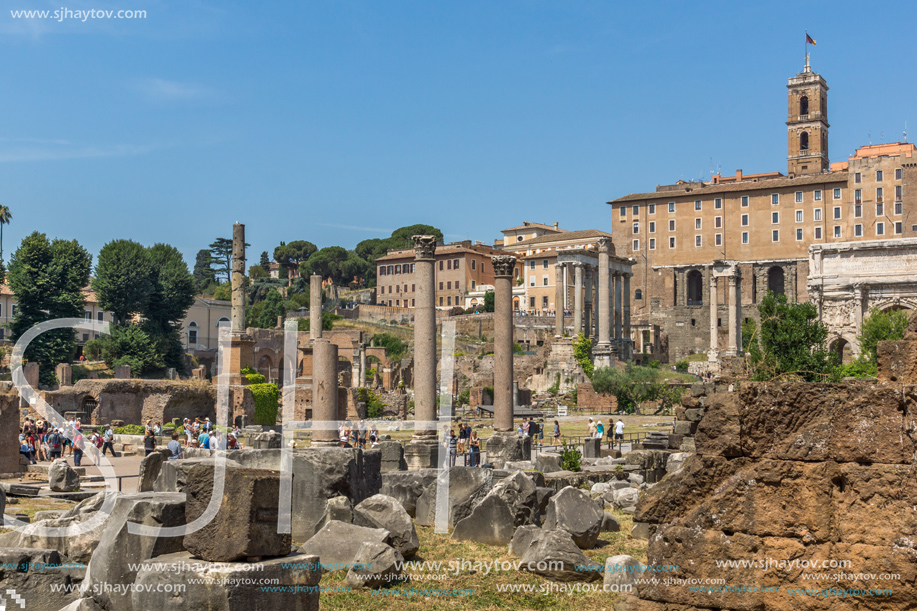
x: 340, y: 121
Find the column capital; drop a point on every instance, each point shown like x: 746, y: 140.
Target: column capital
x: 503, y: 265
x: 424, y: 247
x: 604, y: 245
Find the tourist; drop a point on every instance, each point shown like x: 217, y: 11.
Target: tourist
x: 556, y: 433
x: 525, y: 427
x: 460, y: 446
x: 157, y: 430
x: 44, y: 450
x: 541, y: 433
x: 533, y: 430
x: 78, y: 448
x: 149, y: 442
x: 56, y: 443
x: 207, y: 426
x: 148, y: 427
x: 599, y: 430
x: 452, y: 444
x: 592, y: 428
x: 372, y: 441
x: 217, y: 442
x: 107, y: 438
x: 345, y: 435
x: 202, y: 439
x: 619, y: 433
x: 374, y: 432
x: 474, y: 447
x: 174, y: 447
x: 25, y: 448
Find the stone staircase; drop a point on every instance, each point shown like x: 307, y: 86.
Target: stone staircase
x: 655, y: 440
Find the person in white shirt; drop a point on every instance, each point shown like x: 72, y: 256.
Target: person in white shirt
x: 619, y: 432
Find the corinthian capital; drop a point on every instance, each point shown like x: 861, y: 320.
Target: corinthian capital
x: 424, y: 246
x: 604, y: 245
x: 503, y: 265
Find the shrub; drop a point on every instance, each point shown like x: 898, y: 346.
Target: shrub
x: 92, y: 350
x: 134, y: 363
x: 682, y: 366
x: 133, y: 342
x: 464, y: 397
x: 490, y: 392
x: 255, y: 378
x: 247, y: 370
x: 374, y: 406
x: 570, y: 458
x: 394, y: 347
x: 267, y: 397
x: 130, y: 429
x: 582, y: 348
x: 555, y: 387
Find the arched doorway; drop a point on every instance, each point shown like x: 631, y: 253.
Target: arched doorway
x: 843, y: 349
x: 265, y: 365
x: 775, y: 281
x: 516, y: 304
x: 695, y: 281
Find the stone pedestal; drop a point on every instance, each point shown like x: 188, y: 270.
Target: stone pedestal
x: 239, y: 352
x: 422, y: 454
x: 122, y: 372
x: 9, y: 430
x: 64, y: 374
x: 506, y: 446
x: 324, y: 393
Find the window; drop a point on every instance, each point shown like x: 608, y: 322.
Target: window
x: 879, y: 175
x: 718, y: 222
x: 652, y: 226
x: 531, y: 302
x: 638, y: 295
x: 697, y: 204
x: 897, y: 207
x: 799, y: 216
x: 440, y: 301
x: 799, y: 235
x: 775, y: 218
x: 718, y: 239
x: 672, y: 225
x: 898, y: 174
x: 544, y: 281
x: 440, y: 286
x: 718, y: 203
x: 857, y: 178
x: 623, y: 211
x: 858, y: 230
x: 519, y: 238
x: 804, y: 141
x: 652, y: 243
x: 744, y: 220
x: 449, y: 285
x: 87, y: 315
x: 818, y: 195
x: 857, y: 210
x: 898, y: 227
x: 837, y: 231
x: 636, y: 210
x: 879, y: 193
x: 532, y: 264
x: 697, y: 223
x: 455, y: 264
x: 818, y: 233
x: 636, y: 245
x: 192, y: 333
x: 837, y: 212
x: 652, y: 209
x: 671, y: 206
x: 744, y: 237
x: 101, y: 315
x: 532, y: 280
x: 775, y: 235
x: 473, y: 264
x: 697, y: 240
x: 745, y: 201
x: 818, y: 214
x: 544, y: 264
x: 804, y: 105
x: 880, y: 228
x: 449, y: 264
x: 775, y: 198
x: 398, y: 269
x: 798, y: 197
x: 472, y: 284
x: 449, y: 301
x: 880, y: 209
x: 391, y: 267
x: 837, y: 193
x: 897, y: 193
x: 858, y: 196
x: 636, y: 227
x: 671, y: 244
x: 544, y: 301
x: 440, y: 266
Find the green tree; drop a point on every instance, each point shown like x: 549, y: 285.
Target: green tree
x: 582, y: 352
x: 634, y: 385
x: 791, y: 343
x: 372, y: 249
x: 223, y: 292
x: 489, y: 301
x: 171, y: 295
x: 881, y: 326
x: 130, y: 344
x: 271, y: 308
x: 221, y: 258
x: 256, y: 272
x: 394, y: 347
x: 48, y: 278
x: 328, y: 319
x: 265, y: 262
x: 293, y: 254
x: 5, y: 217
x: 327, y: 263
x: 204, y: 275
x: 123, y: 278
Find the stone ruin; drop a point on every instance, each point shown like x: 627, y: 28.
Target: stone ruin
x: 793, y: 473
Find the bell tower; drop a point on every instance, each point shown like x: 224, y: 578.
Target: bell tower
x: 807, y: 123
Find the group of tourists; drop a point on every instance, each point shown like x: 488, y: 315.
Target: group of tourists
x: 358, y: 435
x: 597, y: 430
x: 465, y: 442
x: 533, y: 429
x: 40, y: 441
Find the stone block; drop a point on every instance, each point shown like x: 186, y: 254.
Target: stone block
x: 62, y: 477
x: 150, y: 467
x: 694, y: 415
x: 467, y: 486
x: 490, y: 522
x: 392, y: 456
x: 380, y: 511
x: 620, y: 571
x: 522, y: 539
x: 407, y: 486
x: 205, y: 584
x: 547, y: 462
x: 503, y: 447
x: 519, y: 492
x: 64, y: 375
x: 573, y: 511
x: 641, y: 531
x: 245, y: 525
x: 610, y: 523
x: 685, y: 427
x: 898, y: 361
x: 122, y: 372
x: 375, y: 565
x: 173, y: 474
x: 338, y: 509
x: 554, y: 556
x: 36, y: 577
x: 338, y: 543
x: 592, y: 447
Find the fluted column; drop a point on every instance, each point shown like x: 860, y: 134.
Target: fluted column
x: 625, y: 307
x: 604, y: 294
x: 503, y: 342
x: 558, y: 299
x: 324, y: 393
x: 577, y: 298
x: 425, y: 338
x: 362, y: 365
x: 713, y: 316
x: 618, y: 330
x: 315, y: 307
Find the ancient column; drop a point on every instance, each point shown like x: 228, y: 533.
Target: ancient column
x: 238, y: 278
x: 604, y: 295
x: 421, y: 453
x: 504, y: 444
x: 503, y: 341
x: 735, y: 313
x: 628, y: 343
x: 315, y: 307
x: 577, y: 298
x: 324, y: 393
x: 239, y: 347
x: 858, y: 310
x: 355, y: 369
x: 619, y: 336
x: 713, y: 316
x: 595, y: 300
x: 558, y: 299
x: 587, y: 300
x: 362, y: 365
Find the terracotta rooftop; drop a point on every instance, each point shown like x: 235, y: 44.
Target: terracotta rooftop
x: 528, y: 225
x: 736, y: 187
x: 446, y: 249
x: 567, y: 236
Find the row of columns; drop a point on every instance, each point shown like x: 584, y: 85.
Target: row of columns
x: 613, y: 308
x: 733, y: 315
x: 587, y: 301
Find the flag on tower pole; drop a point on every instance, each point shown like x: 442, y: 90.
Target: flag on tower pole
x: 810, y: 40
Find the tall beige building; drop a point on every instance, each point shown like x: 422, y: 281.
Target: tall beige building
x: 763, y: 223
